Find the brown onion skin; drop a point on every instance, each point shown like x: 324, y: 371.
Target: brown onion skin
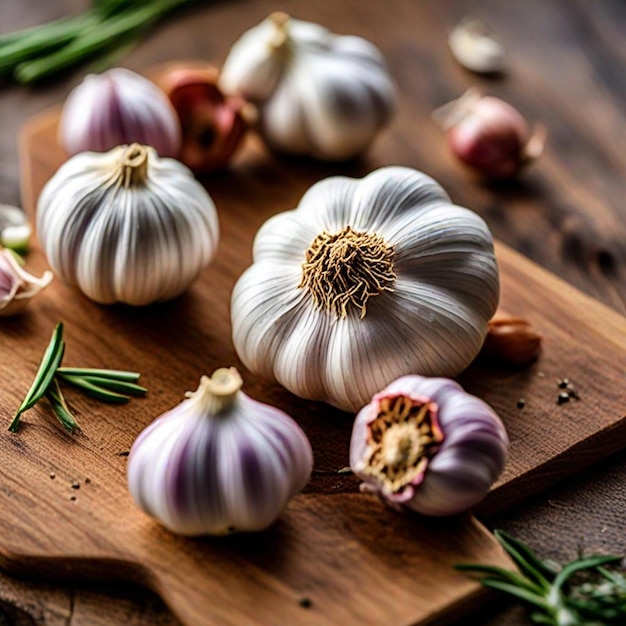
x: 212, y: 124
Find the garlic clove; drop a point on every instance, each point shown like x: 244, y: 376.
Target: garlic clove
x: 426, y: 445
x: 115, y: 108
x: 17, y: 286
x: 489, y: 135
x: 212, y: 125
x: 476, y: 48
x: 15, y: 231
x: 219, y: 462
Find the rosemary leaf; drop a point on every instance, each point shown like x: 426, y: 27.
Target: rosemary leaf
x: 61, y: 410
x: 131, y: 377
x: 110, y: 384
x: 95, y: 391
x: 582, y: 564
x: 51, y: 360
x: 526, y: 559
x: 514, y: 590
x: 503, y: 575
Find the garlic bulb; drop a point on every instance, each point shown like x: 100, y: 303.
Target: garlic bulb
x: 126, y: 226
x: 365, y: 281
x: 17, y: 286
x: 118, y: 107
x: 219, y: 462
x: 425, y: 444
x: 319, y: 94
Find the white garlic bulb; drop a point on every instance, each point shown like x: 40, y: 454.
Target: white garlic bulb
x: 318, y: 93
x: 15, y: 231
x: 126, y: 226
x: 118, y: 107
x: 219, y: 462
x: 366, y: 281
x: 17, y: 286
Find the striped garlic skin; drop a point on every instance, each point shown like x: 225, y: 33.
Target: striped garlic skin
x: 318, y: 93
x: 118, y: 107
x: 205, y: 473
x: 133, y: 245
x: 468, y: 462
x: 433, y: 323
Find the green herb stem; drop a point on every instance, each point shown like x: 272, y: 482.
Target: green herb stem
x: 104, y: 384
x: 94, y: 39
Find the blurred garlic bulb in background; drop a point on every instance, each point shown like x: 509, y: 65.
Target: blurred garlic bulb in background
x: 219, y: 462
x: 367, y: 280
x: 126, y: 226
x: 118, y: 107
x: 318, y: 94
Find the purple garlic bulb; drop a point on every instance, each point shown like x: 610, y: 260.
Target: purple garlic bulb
x: 116, y: 108
x: 425, y: 444
x: 219, y: 462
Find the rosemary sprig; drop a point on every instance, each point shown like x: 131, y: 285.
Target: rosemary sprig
x: 114, y: 386
x: 552, y: 592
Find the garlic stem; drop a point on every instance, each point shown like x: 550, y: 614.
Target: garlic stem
x: 218, y: 392
x: 280, y: 19
x: 134, y: 166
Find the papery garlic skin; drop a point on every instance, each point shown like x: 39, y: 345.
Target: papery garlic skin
x: 219, y: 462
x: 118, y: 107
x: 126, y: 226
x: 319, y: 94
x: 467, y: 460
x: 429, y: 316
x: 17, y: 286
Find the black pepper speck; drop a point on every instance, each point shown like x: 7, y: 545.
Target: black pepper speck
x: 75, y: 485
x: 521, y: 403
x: 305, y: 603
x: 563, y: 397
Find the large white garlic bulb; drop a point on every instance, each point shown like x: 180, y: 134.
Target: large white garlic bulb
x: 126, y: 225
x: 318, y: 93
x: 366, y: 281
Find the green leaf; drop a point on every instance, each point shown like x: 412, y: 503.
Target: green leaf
x: 49, y: 363
x: 581, y: 564
x: 119, y: 386
x: 61, y: 410
x: 95, y: 391
x: 514, y: 590
x: 527, y: 561
x: 504, y: 575
x: 131, y: 377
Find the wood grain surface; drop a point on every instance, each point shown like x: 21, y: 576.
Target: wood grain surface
x: 564, y: 213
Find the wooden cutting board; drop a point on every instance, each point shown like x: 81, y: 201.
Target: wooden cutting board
x: 336, y: 556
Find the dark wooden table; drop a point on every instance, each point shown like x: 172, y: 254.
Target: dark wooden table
x: 567, y: 213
